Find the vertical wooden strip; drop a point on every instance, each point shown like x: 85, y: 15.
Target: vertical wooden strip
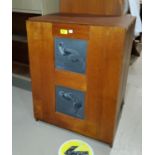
x: 128, y: 40
x: 34, y: 43
x: 47, y: 71
x: 42, y: 67
x: 111, y: 83
x: 103, y: 78
x: 94, y: 74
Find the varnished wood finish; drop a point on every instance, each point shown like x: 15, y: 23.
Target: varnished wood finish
x: 85, y: 19
x: 80, y: 31
x: 100, y: 7
x: 75, y: 81
x: 104, y: 83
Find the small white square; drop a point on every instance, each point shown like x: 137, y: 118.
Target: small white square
x: 70, y: 31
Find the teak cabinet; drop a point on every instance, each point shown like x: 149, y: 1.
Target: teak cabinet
x: 79, y: 67
x: 97, y: 7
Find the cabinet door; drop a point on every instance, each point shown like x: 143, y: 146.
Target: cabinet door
x: 27, y: 5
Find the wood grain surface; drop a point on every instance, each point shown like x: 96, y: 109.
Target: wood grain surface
x: 86, y: 19
x: 101, y: 7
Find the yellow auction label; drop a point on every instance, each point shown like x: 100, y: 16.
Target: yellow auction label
x: 75, y: 147
x: 63, y: 31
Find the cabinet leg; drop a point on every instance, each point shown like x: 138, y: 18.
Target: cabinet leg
x: 36, y: 118
x: 123, y: 102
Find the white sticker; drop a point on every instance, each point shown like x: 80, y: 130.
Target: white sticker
x: 70, y: 31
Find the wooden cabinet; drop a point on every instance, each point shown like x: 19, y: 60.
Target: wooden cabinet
x: 98, y: 7
x: 79, y: 67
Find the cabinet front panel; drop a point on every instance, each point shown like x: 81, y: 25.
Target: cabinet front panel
x: 73, y: 31
x: 85, y: 103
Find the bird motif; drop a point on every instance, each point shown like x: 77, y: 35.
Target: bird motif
x: 72, y: 54
x: 70, y: 97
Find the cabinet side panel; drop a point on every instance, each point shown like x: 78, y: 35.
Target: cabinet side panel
x: 127, y: 47
x: 128, y: 40
x: 127, y: 55
x: 112, y: 81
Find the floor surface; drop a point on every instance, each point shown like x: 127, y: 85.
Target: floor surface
x: 38, y: 138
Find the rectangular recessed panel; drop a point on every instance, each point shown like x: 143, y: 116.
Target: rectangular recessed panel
x: 70, y: 54
x: 70, y: 102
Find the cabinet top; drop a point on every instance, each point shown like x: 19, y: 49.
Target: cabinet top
x: 84, y: 19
